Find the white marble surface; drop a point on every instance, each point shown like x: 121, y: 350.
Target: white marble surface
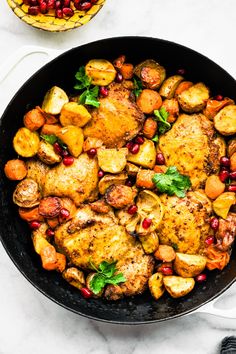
x: 30, y: 323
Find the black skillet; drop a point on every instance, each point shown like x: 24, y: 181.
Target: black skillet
x: 15, y: 235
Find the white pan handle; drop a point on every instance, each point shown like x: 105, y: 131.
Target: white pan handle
x: 20, y: 54
x: 210, y: 309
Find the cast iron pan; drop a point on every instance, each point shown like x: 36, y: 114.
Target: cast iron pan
x: 15, y: 234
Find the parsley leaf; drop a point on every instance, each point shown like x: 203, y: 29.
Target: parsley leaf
x: 138, y: 87
x: 51, y: 139
x: 105, y: 275
x: 175, y: 246
x: 84, y: 80
x: 90, y: 95
x: 155, y: 138
x: 172, y: 182
x: 162, y: 116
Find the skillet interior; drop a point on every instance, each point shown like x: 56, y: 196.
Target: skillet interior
x: 15, y: 234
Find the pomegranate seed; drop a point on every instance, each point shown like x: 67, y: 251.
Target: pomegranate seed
x: 129, y: 183
x: 139, y: 140
x: 33, y: 10
x: 26, y: 2
x: 119, y: 77
x: 132, y: 209
x: 85, y: 6
x: 57, y: 148
x: 130, y: 145
x: 214, y: 223
x: 232, y: 175
x: 93, y: 1
x: 223, y: 175
x: 33, y: 2
x: 67, y: 11
x: 51, y: 4
x: 68, y: 160
x: 43, y: 7
x: 219, y: 98
x: 209, y: 240
x: 181, y: 72
x: 146, y: 223
x: 201, y: 277
x: 100, y: 174
x: 64, y: 153
x: 232, y: 188
x: 50, y: 232
x: 103, y: 91
x: 135, y: 149
x: 59, y: 13
x: 57, y: 4
x: 34, y: 225
x: 92, y: 152
x: 160, y: 160
x: 166, y: 270
x: 225, y: 161
x: 64, y: 213
x: 66, y: 3
x: 86, y: 293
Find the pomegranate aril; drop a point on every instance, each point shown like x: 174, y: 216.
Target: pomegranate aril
x: 232, y: 188
x: 166, y: 270
x: 225, y: 161
x: 132, y: 209
x: 57, y: 148
x: 50, y: 233
x: 64, y: 213
x: 103, y: 91
x: 219, y: 98
x: 33, y: 2
x: 59, y: 13
x: 33, y: 10
x: 181, y: 71
x: 51, y: 4
x: 160, y: 160
x: 119, y: 77
x: 201, y: 277
x: 135, y: 149
x: 66, y: 3
x: 92, y: 152
x: 129, y: 145
x: 93, y: 1
x: 139, y: 140
x: 86, y: 293
x: 43, y: 7
x: 146, y: 223
x: 232, y: 175
x: 100, y: 174
x: 214, y: 223
x: 57, y: 5
x: 223, y: 175
x: 34, y: 225
x: 67, y: 11
x: 209, y: 240
x: 85, y: 6
x: 68, y: 160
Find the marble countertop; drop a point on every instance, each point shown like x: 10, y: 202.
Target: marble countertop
x: 29, y: 322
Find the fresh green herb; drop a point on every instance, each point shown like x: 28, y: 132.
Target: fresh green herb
x: 105, y: 275
x: 90, y: 95
x: 175, y: 246
x: 138, y: 87
x: 172, y: 182
x: 162, y: 116
x: 156, y: 138
x: 52, y: 139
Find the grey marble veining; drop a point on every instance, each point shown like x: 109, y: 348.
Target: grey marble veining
x: 29, y: 322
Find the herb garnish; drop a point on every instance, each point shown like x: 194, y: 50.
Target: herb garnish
x: 138, y: 87
x: 105, y: 275
x: 90, y: 95
x: 161, y: 115
x: 155, y: 138
x: 52, y: 139
x: 172, y: 182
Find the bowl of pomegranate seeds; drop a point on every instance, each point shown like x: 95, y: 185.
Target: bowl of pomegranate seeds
x: 56, y: 15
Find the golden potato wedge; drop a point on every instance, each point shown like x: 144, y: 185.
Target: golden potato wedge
x: 47, y: 154
x: 26, y: 142
x: 73, y: 137
x: 73, y: 113
x: 222, y: 204
x: 39, y: 238
x: 109, y: 180
x: 231, y: 149
x: 233, y: 162
x: 92, y: 143
x: 146, y: 157
x: 131, y: 169
x: 26, y: 194
x: 194, y: 99
x: 151, y: 73
x: 150, y: 242
x: 74, y: 277
x: 101, y: 71
x: 112, y: 160
x: 54, y: 100
x: 169, y: 86
x: 178, y: 286
x: 188, y: 265
x: 225, y: 120
x: 156, y: 285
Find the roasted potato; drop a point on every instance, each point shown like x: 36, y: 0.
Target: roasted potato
x: 73, y: 113
x: 214, y: 187
x: 112, y: 160
x: 149, y: 128
x: 156, y: 285
x: 74, y: 277
x: 26, y: 142
x: 131, y: 169
x: 39, y: 238
x: 146, y: 157
x: 214, y: 106
x: 108, y: 180
x: 225, y: 120
x: 47, y: 154
x: 184, y: 85
x: 151, y: 73
x: 169, y: 86
x: 233, y: 162
x: 223, y: 203
x: 165, y: 253
x: 54, y: 100
x: 188, y: 265
x: 73, y: 137
x: 15, y: 170
x: 34, y: 119
x: 101, y: 71
x: 26, y: 194
x: 194, y: 99
x: 150, y: 242
x: 231, y: 149
x: 127, y: 71
x: 148, y: 101
x: 120, y: 196
x: 92, y: 143
x: 178, y: 286
x: 144, y: 179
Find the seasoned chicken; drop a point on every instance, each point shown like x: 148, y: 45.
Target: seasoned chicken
x: 117, y: 120
x: 37, y: 171
x: 78, y: 181
x: 192, y: 146
x: 93, y: 237
x: 226, y: 232
x: 186, y: 221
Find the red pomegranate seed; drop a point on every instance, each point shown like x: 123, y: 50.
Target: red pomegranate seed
x: 166, y: 270
x: 223, y: 175
x: 51, y: 4
x: 33, y: 2
x: 103, y: 91
x: 93, y: 1
x: 34, y: 225
x: 135, y: 149
x: 33, y: 10
x: 132, y: 209
x: 160, y: 160
x: 66, y: 3
x: 57, y: 4
x: 119, y: 77
x: 214, y: 223
x: 139, y: 140
x: 68, y: 160
x: 100, y: 174
x: 86, y: 293
x: 67, y: 11
x: 57, y: 148
x: 59, y: 13
x: 219, y: 98
x: 129, y: 183
x: 232, y: 188
x: 232, y: 175
x: 225, y: 161
x: 64, y: 213
x: 50, y: 233
x: 130, y: 145
x: 92, y: 152
x: 209, y: 240
x: 43, y: 7
x: 85, y: 6
x: 201, y: 277
x: 181, y: 72
x: 26, y: 2
x: 146, y: 223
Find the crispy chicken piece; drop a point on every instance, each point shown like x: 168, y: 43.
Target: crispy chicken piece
x: 98, y: 237
x: 117, y: 120
x: 226, y: 233
x: 78, y: 181
x: 186, y: 221
x: 37, y: 171
x: 192, y: 147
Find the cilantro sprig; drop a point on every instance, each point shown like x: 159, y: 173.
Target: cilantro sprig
x: 172, y: 182
x: 90, y: 94
x: 161, y: 116
x: 52, y: 139
x: 138, y: 87
x: 105, y: 274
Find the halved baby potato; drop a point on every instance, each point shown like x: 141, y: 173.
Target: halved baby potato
x: 146, y: 157
x: 74, y: 277
x: 189, y: 265
x: 150, y: 242
x: 225, y: 120
x: 47, y: 154
x: 156, y: 285
x: 54, y: 100
x: 26, y: 142
x: 73, y: 137
x: 101, y: 71
x: 178, y: 286
x: 169, y: 86
x: 109, y: 180
x: 223, y: 203
x: 73, y: 113
x: 26, y: 194
x: 194, y: 99
x: 112, y: 160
